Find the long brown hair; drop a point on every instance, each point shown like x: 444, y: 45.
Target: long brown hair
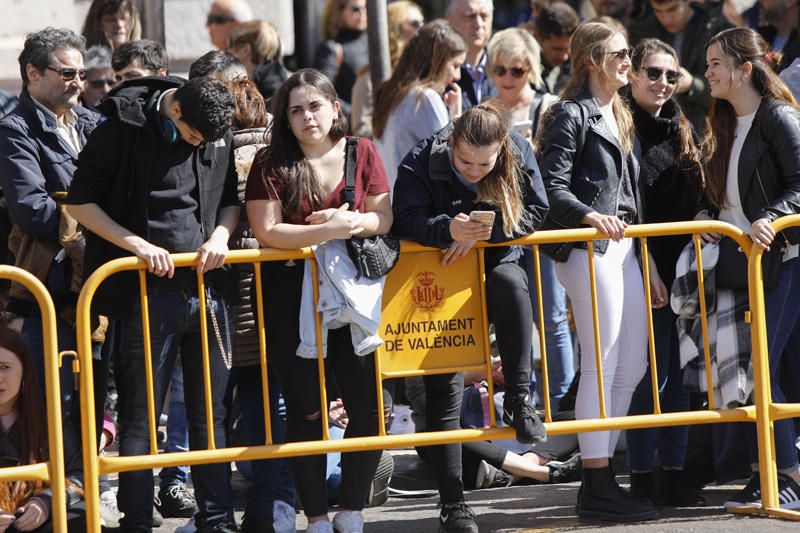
x: 422, y: 64
x: 739, y: 46
x: 249, y: 108
x: 484, y: 125
x: 30, y: 420
x: 93, y: 27
x: 283, y: 156
x: 689, y: 152
x: 588, y: 46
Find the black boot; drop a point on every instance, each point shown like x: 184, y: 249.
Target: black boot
x: 676, y: 492
x: 643, y: 486
x: 603, y: 499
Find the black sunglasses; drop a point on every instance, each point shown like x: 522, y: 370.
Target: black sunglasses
x: 218, y: 19
x: 68, y: 74
x: 416, y: 24
x: 516, y: 72
x: 654, y: 74
x: 102, y: 82
x: 620, y: 54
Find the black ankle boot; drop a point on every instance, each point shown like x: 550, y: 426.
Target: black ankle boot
x: 602, y: 498
x: 643, y: 486
x: 676, y: 492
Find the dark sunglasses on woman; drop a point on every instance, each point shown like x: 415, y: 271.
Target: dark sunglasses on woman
x: 516, y: 72
x: 621, y: 54
x: 654, y: 74
x: 68, y: 74
x: 218, y: 19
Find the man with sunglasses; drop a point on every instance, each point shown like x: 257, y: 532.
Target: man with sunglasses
x: 99, y: 76
x: 223, y: 16
x: 40, y: 140
x: 687, y: 26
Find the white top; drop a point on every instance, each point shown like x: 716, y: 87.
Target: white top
x: 418, y: 116
x: 733, y: 212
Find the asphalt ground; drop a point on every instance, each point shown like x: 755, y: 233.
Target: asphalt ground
x: 533, y: 508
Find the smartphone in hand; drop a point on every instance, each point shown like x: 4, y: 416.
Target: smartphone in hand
x: 482, y: 217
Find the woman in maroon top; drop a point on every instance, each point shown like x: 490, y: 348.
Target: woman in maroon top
x: 295, y: 198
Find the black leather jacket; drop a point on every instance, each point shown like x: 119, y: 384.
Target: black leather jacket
x: 595, y: 186
x: 770, y: 158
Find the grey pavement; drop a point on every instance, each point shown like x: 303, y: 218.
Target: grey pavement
x: 543, y: 508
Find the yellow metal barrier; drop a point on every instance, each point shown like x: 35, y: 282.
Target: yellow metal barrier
x: 767, y: 412
x: 51, y: 472
x: 424, y: 359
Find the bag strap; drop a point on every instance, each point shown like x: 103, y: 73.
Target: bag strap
x: 350, y: 171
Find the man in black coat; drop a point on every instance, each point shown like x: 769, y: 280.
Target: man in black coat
x: 158, y: 178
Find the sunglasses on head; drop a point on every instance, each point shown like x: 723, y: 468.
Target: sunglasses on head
x: 218, y: 19
x: 102, y: 82
x: 620, y: 54
x: 516, y: 72
x: 68, y: 74
x: 654, y: 74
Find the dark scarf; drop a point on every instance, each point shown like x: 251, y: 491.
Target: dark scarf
x: 659, y: 139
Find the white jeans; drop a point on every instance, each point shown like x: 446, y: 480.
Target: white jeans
x: 623, y: 335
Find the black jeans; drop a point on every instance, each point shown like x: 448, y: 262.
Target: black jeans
x: 355, y: 375
x: 508, y: 302
x: 174, y: 328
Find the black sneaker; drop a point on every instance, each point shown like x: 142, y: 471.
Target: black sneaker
x: 788, y: 492
x: 603, y: 499
x: 489, y: 477
x: 520, y: 414
x: 457, y: 518
x: 749, y: 495
x: 567, y: 471
x: 379, y: 488
x: 176, y: 501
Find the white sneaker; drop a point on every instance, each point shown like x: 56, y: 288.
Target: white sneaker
x: 284, y: 517
x: 348, y: 522
x: 189, y: 527
x: 323, y: 526
x: 109, y: 512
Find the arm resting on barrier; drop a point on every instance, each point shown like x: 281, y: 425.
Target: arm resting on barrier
x: 91, y: 216
x: 213, y: 252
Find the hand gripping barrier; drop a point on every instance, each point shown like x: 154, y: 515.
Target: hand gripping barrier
x: 51, y: 472
x: 433, y: 316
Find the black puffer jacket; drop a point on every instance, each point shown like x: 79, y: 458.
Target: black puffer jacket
x: 770, y: 158
x: 672, y: 190
x: 595, y: 186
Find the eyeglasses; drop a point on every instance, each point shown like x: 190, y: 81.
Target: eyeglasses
x: 99, y: 84
x: 218, y: 19
x: 68, y: 74
x: 654, y: 74
x: 516, y: 72
x: 621, y: 54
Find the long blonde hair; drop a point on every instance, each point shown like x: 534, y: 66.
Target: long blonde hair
x: 484, y: 125
x: 588, y: 47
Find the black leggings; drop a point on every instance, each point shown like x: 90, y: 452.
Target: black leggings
x: 299, y: 378
x: 509, y: 305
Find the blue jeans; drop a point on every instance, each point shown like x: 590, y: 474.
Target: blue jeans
x: 670, y: 441
x: 558, y: 341
x: 782, y: 317
x: 270, y: 479
x: 177, y: 431
x: 174, y: 328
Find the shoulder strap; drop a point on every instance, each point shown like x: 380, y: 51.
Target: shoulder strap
x: 581, y: 140
x: 536, y: 111
x: 350, y: 171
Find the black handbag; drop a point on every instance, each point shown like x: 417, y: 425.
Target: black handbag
x: 374, y: 256
x: 731, y: 271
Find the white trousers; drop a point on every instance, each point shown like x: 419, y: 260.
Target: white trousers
x: 623, y: 335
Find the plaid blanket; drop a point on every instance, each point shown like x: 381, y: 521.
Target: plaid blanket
x: 728, y: 334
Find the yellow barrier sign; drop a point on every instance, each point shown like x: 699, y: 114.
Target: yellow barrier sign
x: 432, y: 315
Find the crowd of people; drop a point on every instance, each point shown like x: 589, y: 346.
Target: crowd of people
x: 568, y: 114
